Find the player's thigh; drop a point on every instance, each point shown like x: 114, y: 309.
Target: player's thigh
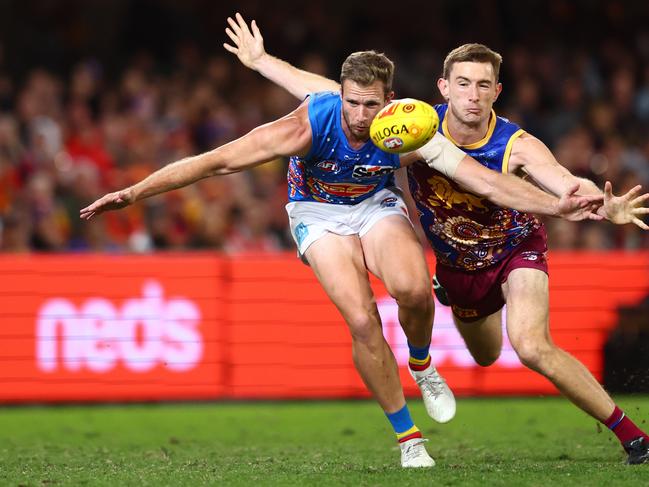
x: 393, y: 254
x: 338, y: 263
x: 527, y: 297
x: 482, y: 337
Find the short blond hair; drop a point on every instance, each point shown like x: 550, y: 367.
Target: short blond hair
x: 365, y: 67
x: 473, y: 53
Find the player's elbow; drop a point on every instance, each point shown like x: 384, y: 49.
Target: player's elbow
x: 223, y: 160
x: 489, y: 187
x: 214, y: 164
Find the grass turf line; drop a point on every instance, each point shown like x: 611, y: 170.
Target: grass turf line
x: 494, y: 442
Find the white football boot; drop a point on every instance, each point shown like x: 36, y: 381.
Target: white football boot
x: 438, y: 397
x: 414, y: 454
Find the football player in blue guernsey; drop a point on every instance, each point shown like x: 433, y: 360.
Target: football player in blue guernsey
x: 488, y: 254
x: 348, y: 218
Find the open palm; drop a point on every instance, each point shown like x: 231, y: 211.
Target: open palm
x: 248, y: 46
x: 626, y: 208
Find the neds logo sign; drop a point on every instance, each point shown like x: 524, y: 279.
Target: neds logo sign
x: 143, y: 333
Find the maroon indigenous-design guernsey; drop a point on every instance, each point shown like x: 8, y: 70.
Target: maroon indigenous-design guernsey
x: 466, y: 231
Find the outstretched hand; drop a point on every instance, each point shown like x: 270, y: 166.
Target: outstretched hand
x: 576, y: 207
x: 626, y: 208
x: 248, y: 46
x: 110, y: 201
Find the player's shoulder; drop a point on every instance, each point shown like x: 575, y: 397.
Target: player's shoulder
x: 441, y: 108
x: 506, y: 122
x: 323, y: 97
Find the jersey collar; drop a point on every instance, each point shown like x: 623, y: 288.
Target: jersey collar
x: 474, y: 145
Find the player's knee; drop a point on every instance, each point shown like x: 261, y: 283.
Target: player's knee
x: 534, y: 353
x: 486, y: 358
x: 413, y: 295
x: 364, y: 328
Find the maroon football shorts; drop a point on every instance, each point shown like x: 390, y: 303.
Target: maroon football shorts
x: 478, y: 294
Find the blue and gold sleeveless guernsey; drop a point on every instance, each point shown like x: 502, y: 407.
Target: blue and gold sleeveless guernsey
x: 333, y: 172
x: 468, y: 232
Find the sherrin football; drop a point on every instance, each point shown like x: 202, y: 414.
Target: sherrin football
x: 404, y: 125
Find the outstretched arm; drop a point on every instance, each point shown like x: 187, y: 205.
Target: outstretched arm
x: 534, y: 158
x: 503, y: 189
x: 290, y: 135
x: 249, y: 48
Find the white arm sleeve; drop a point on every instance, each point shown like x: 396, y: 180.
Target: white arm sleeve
x: 441, y: 154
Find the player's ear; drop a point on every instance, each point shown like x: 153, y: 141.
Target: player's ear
x: 389, y: 97
x: 442, y: 86
x: 499, y: 88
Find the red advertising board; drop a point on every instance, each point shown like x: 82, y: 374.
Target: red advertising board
x: 120, y: 328
x: 110, y: 328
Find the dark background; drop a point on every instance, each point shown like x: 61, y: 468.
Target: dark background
x: 94, y: 95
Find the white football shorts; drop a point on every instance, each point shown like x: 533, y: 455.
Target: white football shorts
x: 311, y: 220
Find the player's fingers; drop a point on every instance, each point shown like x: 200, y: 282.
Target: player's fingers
x: 89, y: 208
x: 232, y: 36
x: 594, y: 198
x: 633, y: 192
x: 255, y: 30
x: 640, y: 211
x: 228, y: 47
x: 234, y: 25
x: 584, y: 203
x: 243, y: 25
x: 640, y: 223
x: 589, y: 200
x: 640, y: 199
x: 595, y: 216
x: 608, y: 190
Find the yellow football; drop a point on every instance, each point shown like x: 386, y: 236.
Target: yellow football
x: 404, y: 125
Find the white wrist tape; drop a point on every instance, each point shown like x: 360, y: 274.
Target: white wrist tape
x: 441, y: 154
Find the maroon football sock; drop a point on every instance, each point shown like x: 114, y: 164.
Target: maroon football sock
x: 623, y: 427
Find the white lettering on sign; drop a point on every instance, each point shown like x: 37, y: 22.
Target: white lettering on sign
x: 145, y: 332
x: 446, y: 343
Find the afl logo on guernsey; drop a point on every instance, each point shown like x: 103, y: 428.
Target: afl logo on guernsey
x: 328, y: 166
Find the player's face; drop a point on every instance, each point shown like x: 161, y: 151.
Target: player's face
x: 360, y: 105
x: 470, y: 91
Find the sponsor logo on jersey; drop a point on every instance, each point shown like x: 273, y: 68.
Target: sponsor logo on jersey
x: 344, y: 190
x: 389, y: 202
x: 531, y: 256
x: 370, y: 171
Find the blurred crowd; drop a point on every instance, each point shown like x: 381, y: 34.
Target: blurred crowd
x: 73, y: 132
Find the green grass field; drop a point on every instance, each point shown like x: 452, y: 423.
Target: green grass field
x: 491, y: 442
